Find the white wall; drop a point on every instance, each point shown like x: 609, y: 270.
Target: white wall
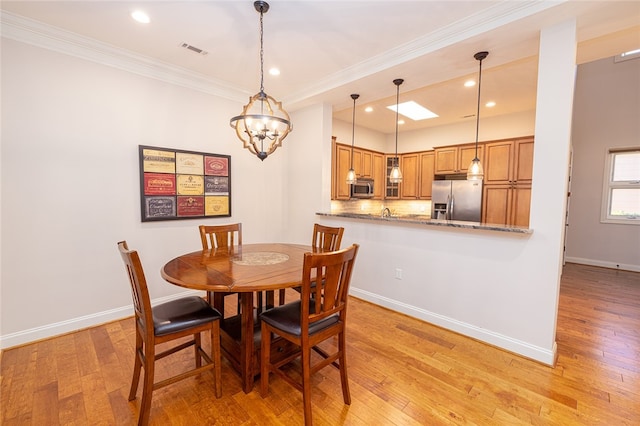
x: 365, y: 138
x: 501, y: 288
x: 70, y: 186
x: 607, y: 106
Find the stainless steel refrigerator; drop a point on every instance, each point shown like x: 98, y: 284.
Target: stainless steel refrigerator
x: 457, y: 200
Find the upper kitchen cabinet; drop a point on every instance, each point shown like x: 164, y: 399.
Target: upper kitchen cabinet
x: 417, y: 175
x: 378, y: 165
x: 340, y: 189
x: 456, y: 159
x: 509, y: 161
x: 366, y: 163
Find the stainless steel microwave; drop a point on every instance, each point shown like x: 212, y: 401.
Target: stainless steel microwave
x: 363, y: 188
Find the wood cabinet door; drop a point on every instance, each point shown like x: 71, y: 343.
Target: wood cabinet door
x: 520, y: 205
x: 496, y: 204
x: 498, y: 166
x: 409, y: 168
x: 523, y: 161
x: 466, y: 155
x: 378, y: 176
x: 343, y: 163
x: 367, y: 170
x: 357, y: 162
x: 446, y: 160
x: 426, y: 168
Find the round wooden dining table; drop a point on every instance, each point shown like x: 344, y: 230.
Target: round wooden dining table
x: 246, y: 270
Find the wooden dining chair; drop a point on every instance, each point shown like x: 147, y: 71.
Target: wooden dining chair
x: 327, y: 238
x: 320, y: 314
x: 324, y: 238
x: 221, y: 237
x: 188, y: 316
x: 224, y: 236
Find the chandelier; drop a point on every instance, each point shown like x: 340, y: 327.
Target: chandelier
x: 263, y: 124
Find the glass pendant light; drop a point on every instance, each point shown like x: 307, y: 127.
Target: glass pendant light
x: 351, y: 174
x: 395, y: 176
x: 263, y: 124
x: 475, y: 171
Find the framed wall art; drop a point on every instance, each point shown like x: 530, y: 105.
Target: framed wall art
x: 177, y: 184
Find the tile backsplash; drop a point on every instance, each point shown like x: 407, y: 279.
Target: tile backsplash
x: 397, y: 207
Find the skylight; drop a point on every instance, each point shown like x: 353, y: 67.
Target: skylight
x: 413, y: 111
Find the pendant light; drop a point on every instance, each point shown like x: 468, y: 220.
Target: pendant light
x: 396, y: 175
x: 263, y: 124
x: 475, y: 171
x: 351, y: 174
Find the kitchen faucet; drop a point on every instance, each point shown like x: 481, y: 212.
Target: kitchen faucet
x: 386, y: 212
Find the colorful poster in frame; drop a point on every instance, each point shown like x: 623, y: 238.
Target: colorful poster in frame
x: 178, y: 184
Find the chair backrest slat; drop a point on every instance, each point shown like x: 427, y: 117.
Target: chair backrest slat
x: 220, y: 236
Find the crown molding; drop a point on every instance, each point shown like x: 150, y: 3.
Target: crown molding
x: 18, y: 28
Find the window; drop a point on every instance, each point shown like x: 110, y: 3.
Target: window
x: 621, y: 198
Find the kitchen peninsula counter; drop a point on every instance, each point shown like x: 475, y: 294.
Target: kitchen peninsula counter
x: 427, y: 221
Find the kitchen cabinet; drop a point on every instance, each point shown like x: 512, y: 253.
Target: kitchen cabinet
x: 456, y: 159
x: 366, y: 163
x: 391, y: 190
x: 506, y: 205
x: 410, y: 173
x: 362, y: 162
x: 508, y: 171
x: 417, y: 175
x: 379, y: 179
x: 341, y: 164
x: 427, y: 165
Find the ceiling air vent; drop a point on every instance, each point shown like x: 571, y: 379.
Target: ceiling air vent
x: 193, y: 49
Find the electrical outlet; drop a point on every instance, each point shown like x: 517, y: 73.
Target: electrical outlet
x: 398, y: 274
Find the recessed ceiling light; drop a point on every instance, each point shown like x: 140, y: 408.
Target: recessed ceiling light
x: 274, y: 71
x: 413, y: 110
x: 401, y: 122
x: 140, y: 16
x: 490, y: 104
x: 469, y: 83
x: 368, y: 109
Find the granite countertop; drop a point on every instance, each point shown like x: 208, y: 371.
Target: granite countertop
x: 426, y: 220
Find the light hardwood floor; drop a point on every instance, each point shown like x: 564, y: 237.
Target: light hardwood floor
x: 402, y: 372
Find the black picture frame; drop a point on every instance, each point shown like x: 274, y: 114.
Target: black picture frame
x: 178, y: 184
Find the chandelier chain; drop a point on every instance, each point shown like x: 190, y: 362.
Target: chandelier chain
x: 261, y: 53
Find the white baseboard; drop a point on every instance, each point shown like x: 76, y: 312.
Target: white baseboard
x: 524, y: 349
x: 603, y: 264
x: 79, y: 323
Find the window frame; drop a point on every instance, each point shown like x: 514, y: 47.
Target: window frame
x: 609, y: 185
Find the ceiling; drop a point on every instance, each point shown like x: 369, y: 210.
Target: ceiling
x: 327, y: 50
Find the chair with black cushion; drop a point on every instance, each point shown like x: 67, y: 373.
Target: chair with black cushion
x: 225, y: 237
x: 320, y: 314
x: 324, y: 238
x: 221, y: 237
x: 185, y: 317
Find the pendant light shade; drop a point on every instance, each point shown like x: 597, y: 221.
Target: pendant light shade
x: 475, y: 171
x: 263, y: 124
x: 395, y: 176
x: 351, y: 174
